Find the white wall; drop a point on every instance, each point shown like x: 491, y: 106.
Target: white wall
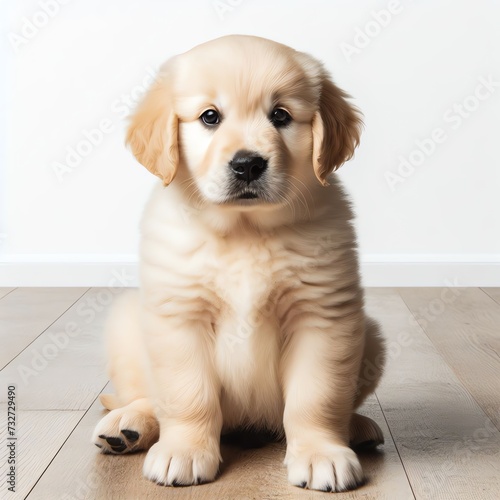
x: 88, y: 64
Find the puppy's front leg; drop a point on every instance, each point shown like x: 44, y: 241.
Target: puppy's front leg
x: 321, y: 367
x: 187, y: 403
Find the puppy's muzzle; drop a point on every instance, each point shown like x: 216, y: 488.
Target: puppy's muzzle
x: 247, y: 166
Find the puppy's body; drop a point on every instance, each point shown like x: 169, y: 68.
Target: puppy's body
x: 245, y: 284
x: 250, y: 311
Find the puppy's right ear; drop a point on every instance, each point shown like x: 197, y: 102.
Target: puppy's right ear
x: 336, y: 129
x: 152, y: 134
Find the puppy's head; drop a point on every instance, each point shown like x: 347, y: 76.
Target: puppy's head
x: 246, y: 120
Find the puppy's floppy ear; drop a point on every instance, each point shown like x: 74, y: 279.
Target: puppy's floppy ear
x: 152, y: 134
x: 336, y: 130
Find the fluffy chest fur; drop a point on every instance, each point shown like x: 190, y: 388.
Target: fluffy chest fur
x: 248, y: 338
x: 241, y: 287
x: 229, y: 284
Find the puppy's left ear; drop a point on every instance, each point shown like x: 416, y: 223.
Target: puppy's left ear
x: 153, y: 131
x: 336, y: 129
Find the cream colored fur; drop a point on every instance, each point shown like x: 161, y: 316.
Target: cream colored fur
x: 249, y: 314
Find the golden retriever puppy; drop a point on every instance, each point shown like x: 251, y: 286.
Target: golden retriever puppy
x: 250, y: 310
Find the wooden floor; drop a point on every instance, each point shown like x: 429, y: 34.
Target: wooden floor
x: 438, y: 404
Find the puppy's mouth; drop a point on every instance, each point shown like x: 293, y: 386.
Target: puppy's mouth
x: 247, y: 195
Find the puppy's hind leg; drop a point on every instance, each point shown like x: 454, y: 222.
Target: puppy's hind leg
x: 364, y: 433
x: 131, y: 424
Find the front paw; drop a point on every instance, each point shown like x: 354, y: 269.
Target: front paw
x: 182, y: 466
x: 329, y: 467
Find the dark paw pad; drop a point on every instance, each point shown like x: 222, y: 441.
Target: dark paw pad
x: 132, y: 436
x: 114, y: 441
x: 303, y: 484
x: 328, y: 487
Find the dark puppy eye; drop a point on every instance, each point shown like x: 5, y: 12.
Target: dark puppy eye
x: 280, y: 117
x: 210, y: 117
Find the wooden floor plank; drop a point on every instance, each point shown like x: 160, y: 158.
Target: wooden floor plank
x: 494, y: 293
x: 464, y: 326
x: 64, y: 368
x: 79, y: 471
x: 5, y: 291
x: 449, y: 447
x: 40, y: 435
x: 26, y: 312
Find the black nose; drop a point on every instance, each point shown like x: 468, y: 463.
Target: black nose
x: 247, y: 166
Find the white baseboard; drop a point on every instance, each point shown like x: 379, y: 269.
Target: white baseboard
x: 62, y: 274
x: 450, y: 274
x: 377, y: 271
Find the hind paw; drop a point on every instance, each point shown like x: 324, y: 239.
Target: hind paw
x: 128, y: 429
